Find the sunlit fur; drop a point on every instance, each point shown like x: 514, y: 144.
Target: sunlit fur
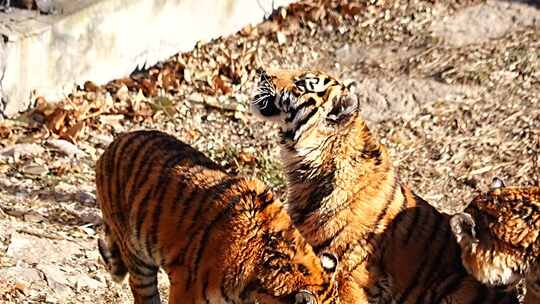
x: 499, y: 236
x: 221, y: 239
x: 344, y: 195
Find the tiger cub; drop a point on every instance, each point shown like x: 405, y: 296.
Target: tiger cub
x: 499, y: 235
x: 221, y: 239
x: 345, y: 196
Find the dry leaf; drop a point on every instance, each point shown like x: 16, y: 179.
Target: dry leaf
x: 220, y: 85
x: 246, y: 158
x: 89, y: 86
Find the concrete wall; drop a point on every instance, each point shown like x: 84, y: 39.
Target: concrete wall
x: 101, y: 40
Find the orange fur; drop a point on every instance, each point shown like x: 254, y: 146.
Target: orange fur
x: 219, y: 238
x: 344, y: 195
x: 499, y: 236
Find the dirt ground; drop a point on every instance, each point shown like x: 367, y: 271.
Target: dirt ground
x: 451, y: 87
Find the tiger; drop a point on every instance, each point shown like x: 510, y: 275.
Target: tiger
x: 220, y: 238
x: 499, y: 237
x: 345, y: 196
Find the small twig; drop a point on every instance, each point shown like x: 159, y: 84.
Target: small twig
x: 40, y: 234
x: 218, y: 106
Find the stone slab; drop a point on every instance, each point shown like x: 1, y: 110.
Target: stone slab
x: 100, y: 40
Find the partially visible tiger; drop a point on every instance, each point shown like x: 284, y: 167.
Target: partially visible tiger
x: 345, y: 196
x: 221, y: 239
x: 499, y: 235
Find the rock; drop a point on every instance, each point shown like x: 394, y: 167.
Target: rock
x: 34, y: 216
x: 86, y: 198
x: 83, y: 281
x: 104, y: 139
x: 22, y: 150
x: 35, y: 169
x: 33, y: 250
x: 23, y: 275
x: 66, y: 147
x: 56, y: 280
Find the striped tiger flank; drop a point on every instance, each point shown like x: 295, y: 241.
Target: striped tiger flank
x: 219, y: 238
x: 345, y: 196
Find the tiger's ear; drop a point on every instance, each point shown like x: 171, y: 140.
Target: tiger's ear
x: 342, y: 108
x: 329, y: 261
x: 351, y: 85
x: 463, y: 227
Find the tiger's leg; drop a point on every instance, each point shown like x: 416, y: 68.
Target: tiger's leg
x: 177, y: 290
x: 110, y: 253
x: 142, y: 279
x: 144, y: 287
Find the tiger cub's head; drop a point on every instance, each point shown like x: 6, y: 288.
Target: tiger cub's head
x: 296, y: 278
x: 306, y: 104
x: 484, y: 254
x: 280, y: 266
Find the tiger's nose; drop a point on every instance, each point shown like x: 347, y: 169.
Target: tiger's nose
x: 269, y: 109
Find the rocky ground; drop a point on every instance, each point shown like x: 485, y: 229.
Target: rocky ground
x: 451, y: 87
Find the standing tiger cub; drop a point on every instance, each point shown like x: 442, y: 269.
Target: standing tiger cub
x: 345, y: 196
x: 499, y: 235
x: 221, y: 239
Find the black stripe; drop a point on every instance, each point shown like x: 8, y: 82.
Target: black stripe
x: 307, y: 103
x: 180, y: 187
x: 324, y: 244
x: 328, y: 294
x: 152, y: 282
x: 205, y: 287
x: 179, y: 258
x: 147, y: 164
x: 215, y: 191
x: 431, y: 240
x: 325, y: 187
x: 152, y: 192
x: 150, y: 296
x: 141, y: 268
x: 372, y: 233
x: 184, y: 152
x: 140, y: 213
x: 223, y: 292
x: 417, y: 214
x: 404, y: 203
x: 437, y: 268
x: 131, y: 140
x: 109, y: 165
x: 164, y: 181
x: 206, y: 235
x: 450, y: 287
x: 254, y: 285
x: 265, y: 199
x: 130, y: 163
x: 305, y: 119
